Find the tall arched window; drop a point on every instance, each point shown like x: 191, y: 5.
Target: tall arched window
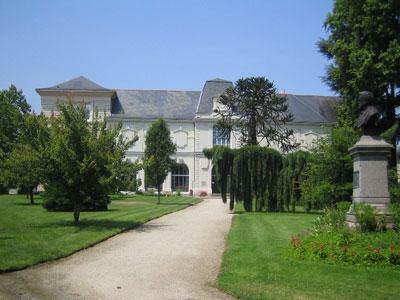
x: 221, y: 136
x: 180, y: 178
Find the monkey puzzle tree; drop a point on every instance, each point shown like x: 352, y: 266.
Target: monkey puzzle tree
x: 157, y: 154
x: 254, y: 108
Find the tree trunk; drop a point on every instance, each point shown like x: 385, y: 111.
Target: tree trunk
x: 252, y: 131
x: 31, y: 195
x: 77, y: 212
x: 158, y: 193
x: 391, y: 118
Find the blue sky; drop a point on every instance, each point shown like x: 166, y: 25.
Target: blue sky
x: 162, y: 44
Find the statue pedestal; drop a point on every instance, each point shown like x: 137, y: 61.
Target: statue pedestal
x: 370, y: 177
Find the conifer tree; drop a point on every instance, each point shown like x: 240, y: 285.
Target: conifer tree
x: 254, y: 109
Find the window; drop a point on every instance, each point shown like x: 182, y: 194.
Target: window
x: 180, y: 178
x: 88, y: 111
x: 221, y: 136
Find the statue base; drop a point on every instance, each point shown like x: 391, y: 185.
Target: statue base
x: 370, y: 178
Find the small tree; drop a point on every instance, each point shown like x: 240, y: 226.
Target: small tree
x: 254, y: 108
x: 329, y: 171
x: 157, y: 155
x: 125, y: 175
x: 23, y: 166
x: 79, y: 161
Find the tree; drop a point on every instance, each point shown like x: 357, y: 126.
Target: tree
x: 80, y: 161
x: 363, y: 47
x: 329, y: 171
x: 23, y: 165
x: 157, y: 154
x: 22, y: 168
x: 290, y: 178
x: 13, y: 109
x: 253, y: 174
x: 125, y: 175
x: 222, y: 159
x: 254, y: 108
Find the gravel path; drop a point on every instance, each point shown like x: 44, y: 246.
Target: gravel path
x: 174, y: 257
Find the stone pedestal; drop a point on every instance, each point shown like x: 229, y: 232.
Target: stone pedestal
x: 370, y: 177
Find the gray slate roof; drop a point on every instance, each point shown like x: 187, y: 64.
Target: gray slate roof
x: 312, y: 109
x: 183, y: 105
x: 212, y: 88
x: 153, y: 104
x: 78, y: 83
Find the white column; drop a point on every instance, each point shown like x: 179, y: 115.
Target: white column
x: 166, y: 187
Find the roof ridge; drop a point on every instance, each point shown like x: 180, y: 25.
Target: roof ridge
x: 82, y: 82
x: 161, y: 90
x: 308, y: 95
x: 218, y: 80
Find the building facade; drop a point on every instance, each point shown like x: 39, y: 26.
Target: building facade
x: 191, y: 120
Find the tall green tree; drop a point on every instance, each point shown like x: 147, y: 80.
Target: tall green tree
x: 157, y: 154
x: 254, y: 108
x: 290, y: 178
x: 363, y: 46
x: 13, y: 109
x: 222, y: 159
x: 80, y: 161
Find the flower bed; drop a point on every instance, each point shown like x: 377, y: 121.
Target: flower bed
x: 349, y: 247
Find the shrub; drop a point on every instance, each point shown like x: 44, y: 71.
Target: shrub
x: 331, y: 220
x: 329, y: 172
x: 395, y: 211
x: 343, y: 206
x: 366, y: 217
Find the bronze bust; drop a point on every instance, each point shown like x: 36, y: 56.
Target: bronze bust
x: 370, y: 117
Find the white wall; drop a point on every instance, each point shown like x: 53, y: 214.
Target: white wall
x: 100, y: 103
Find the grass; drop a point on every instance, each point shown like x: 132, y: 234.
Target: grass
x: 30, y: 235
x: 256, y: 265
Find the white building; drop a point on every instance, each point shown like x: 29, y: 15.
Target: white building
x: 190, y: 117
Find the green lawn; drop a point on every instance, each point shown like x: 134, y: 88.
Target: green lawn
x: 255, y: 265
x: 30, y: 235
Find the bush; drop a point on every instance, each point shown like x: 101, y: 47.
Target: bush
x: 343, y: 206
x: 331, y: 220
x: 329, y: 172
x: 395, y: 211
x: 365, y: 215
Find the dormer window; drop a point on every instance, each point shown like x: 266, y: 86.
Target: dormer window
x: 218, y: 106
